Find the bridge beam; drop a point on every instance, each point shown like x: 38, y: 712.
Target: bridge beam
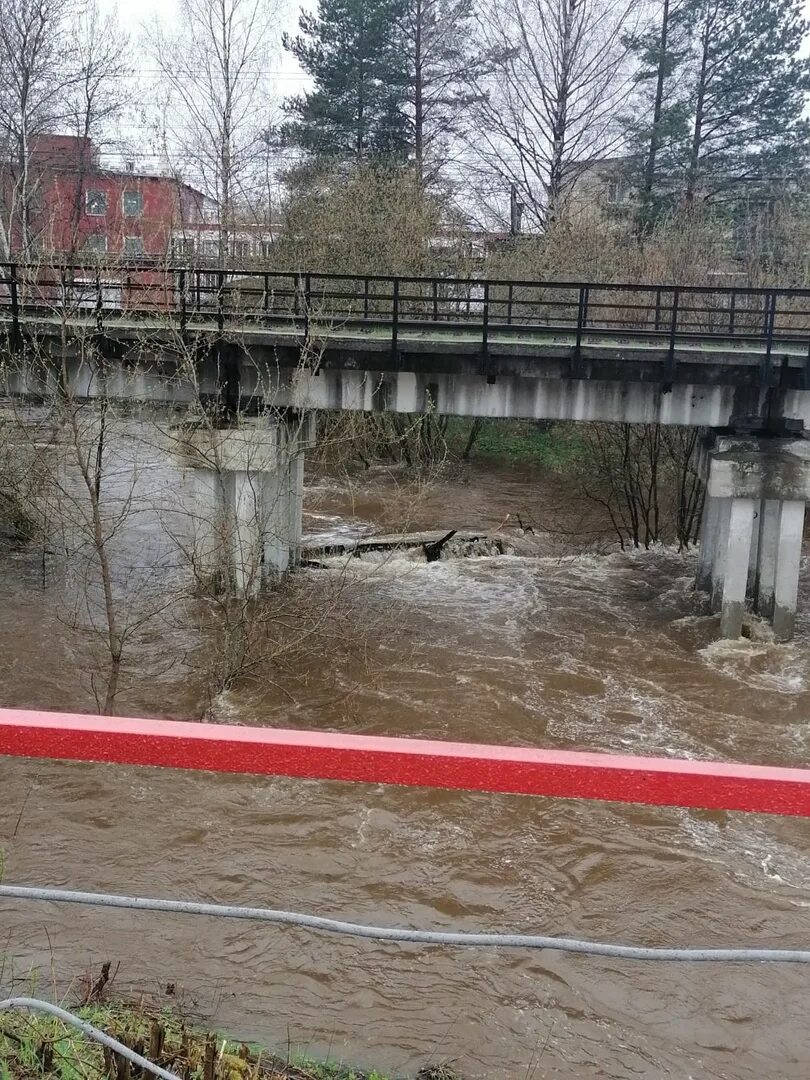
x: 752, y: 536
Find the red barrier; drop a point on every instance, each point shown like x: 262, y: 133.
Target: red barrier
x: 316, y: 755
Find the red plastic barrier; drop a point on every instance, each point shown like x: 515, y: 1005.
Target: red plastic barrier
x: 319, y: 755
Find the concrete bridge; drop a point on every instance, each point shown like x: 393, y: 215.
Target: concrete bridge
x: 729, y: 360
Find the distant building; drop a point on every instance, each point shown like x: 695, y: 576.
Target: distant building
x: 75, y: 207
x: 600, y: 184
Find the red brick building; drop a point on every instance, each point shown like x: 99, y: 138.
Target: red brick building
x: 77, y: 208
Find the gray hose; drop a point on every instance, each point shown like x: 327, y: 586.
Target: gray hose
x: 424, y: 937
x: 87, y: 1029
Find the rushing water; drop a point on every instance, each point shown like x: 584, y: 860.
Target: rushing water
x: 606, y: 651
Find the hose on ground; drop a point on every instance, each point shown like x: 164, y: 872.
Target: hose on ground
x: 423, y: 937
x: 94, y: 1033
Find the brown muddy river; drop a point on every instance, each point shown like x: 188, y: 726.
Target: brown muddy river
x: 604, y: 651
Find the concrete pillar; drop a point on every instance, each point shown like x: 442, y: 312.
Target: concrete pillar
x: 753, y: 555
x: 248, y: 493
x: 244, y: 503
x: 735, y: 578
x: 207, y: 506
x: 788, y: 558
x: 766, y: 556
x: 720, y: 552
x: 296, y: 504
x: 708, y: 543
x: 277, y: 525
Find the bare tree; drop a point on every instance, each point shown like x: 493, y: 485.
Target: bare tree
x: 550, y: 109
x: 98, y: 93
x: 61, y: 64
x: 215, y: 77
x: 37, y: 70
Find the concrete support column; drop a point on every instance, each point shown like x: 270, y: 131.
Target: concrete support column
x: 277, y: 526
x: 708, y: 543
x: 245, y: 515
x: 296, y: 510
x: 720, y: 552
x: 207, y: 522
x: 765, y: 482
x: 753, y: 555
x: 766, y: 556
x: 788, y: 558
x: 248, y: 495
x: 738, y: 549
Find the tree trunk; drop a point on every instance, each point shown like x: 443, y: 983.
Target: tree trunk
x: 693, y: 171
x: 655, y: 134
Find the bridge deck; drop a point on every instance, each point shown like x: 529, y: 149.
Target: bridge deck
x: 426, y: 337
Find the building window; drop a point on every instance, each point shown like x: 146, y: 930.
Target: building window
x: 616, y: 191
x: 211, y: 248
x: 96, y: 203
x: 95, y: 244
x: 240, y: 249
x: 133, y: 245
x: 182, y: 246
x: 133, y: 203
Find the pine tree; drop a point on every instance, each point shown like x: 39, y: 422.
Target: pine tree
x: 353, y: 51
x: 443, y: 62
x: 749, y: 93
x: 722, y: 95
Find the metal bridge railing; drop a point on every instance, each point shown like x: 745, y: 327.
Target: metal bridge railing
x: 187, y: 295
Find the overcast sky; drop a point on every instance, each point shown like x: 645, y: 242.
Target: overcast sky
x: 287, y: 77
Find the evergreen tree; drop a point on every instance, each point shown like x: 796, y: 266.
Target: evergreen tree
x: 353, y: 51
x: 723, y: 91
x: 444, y: 60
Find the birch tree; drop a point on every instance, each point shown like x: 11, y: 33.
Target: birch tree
x: 62, y: 65
x: 550, y: 107
x: 215, y: 82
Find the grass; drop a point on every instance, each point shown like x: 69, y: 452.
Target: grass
x: 552, y: 446
x: 34, y: 1046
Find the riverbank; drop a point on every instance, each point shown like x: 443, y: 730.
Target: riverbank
x: 33, y: 1046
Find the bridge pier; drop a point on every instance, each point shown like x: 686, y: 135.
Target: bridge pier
x: 247, y: 491
x: 753, y: 526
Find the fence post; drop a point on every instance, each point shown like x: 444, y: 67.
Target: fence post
x: 669, y: 363
x: 770, y: 321
x: 307, y: 304
x: 181, y: 279
x: 435, y: 300
x: 509, y: 305
x: 365, y: 297
x: 99, y: 303
x: 220, y: 307
x: 15, y: 305
x: 395, y: 322
x: 582, y: 318
x: 485, y: 335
